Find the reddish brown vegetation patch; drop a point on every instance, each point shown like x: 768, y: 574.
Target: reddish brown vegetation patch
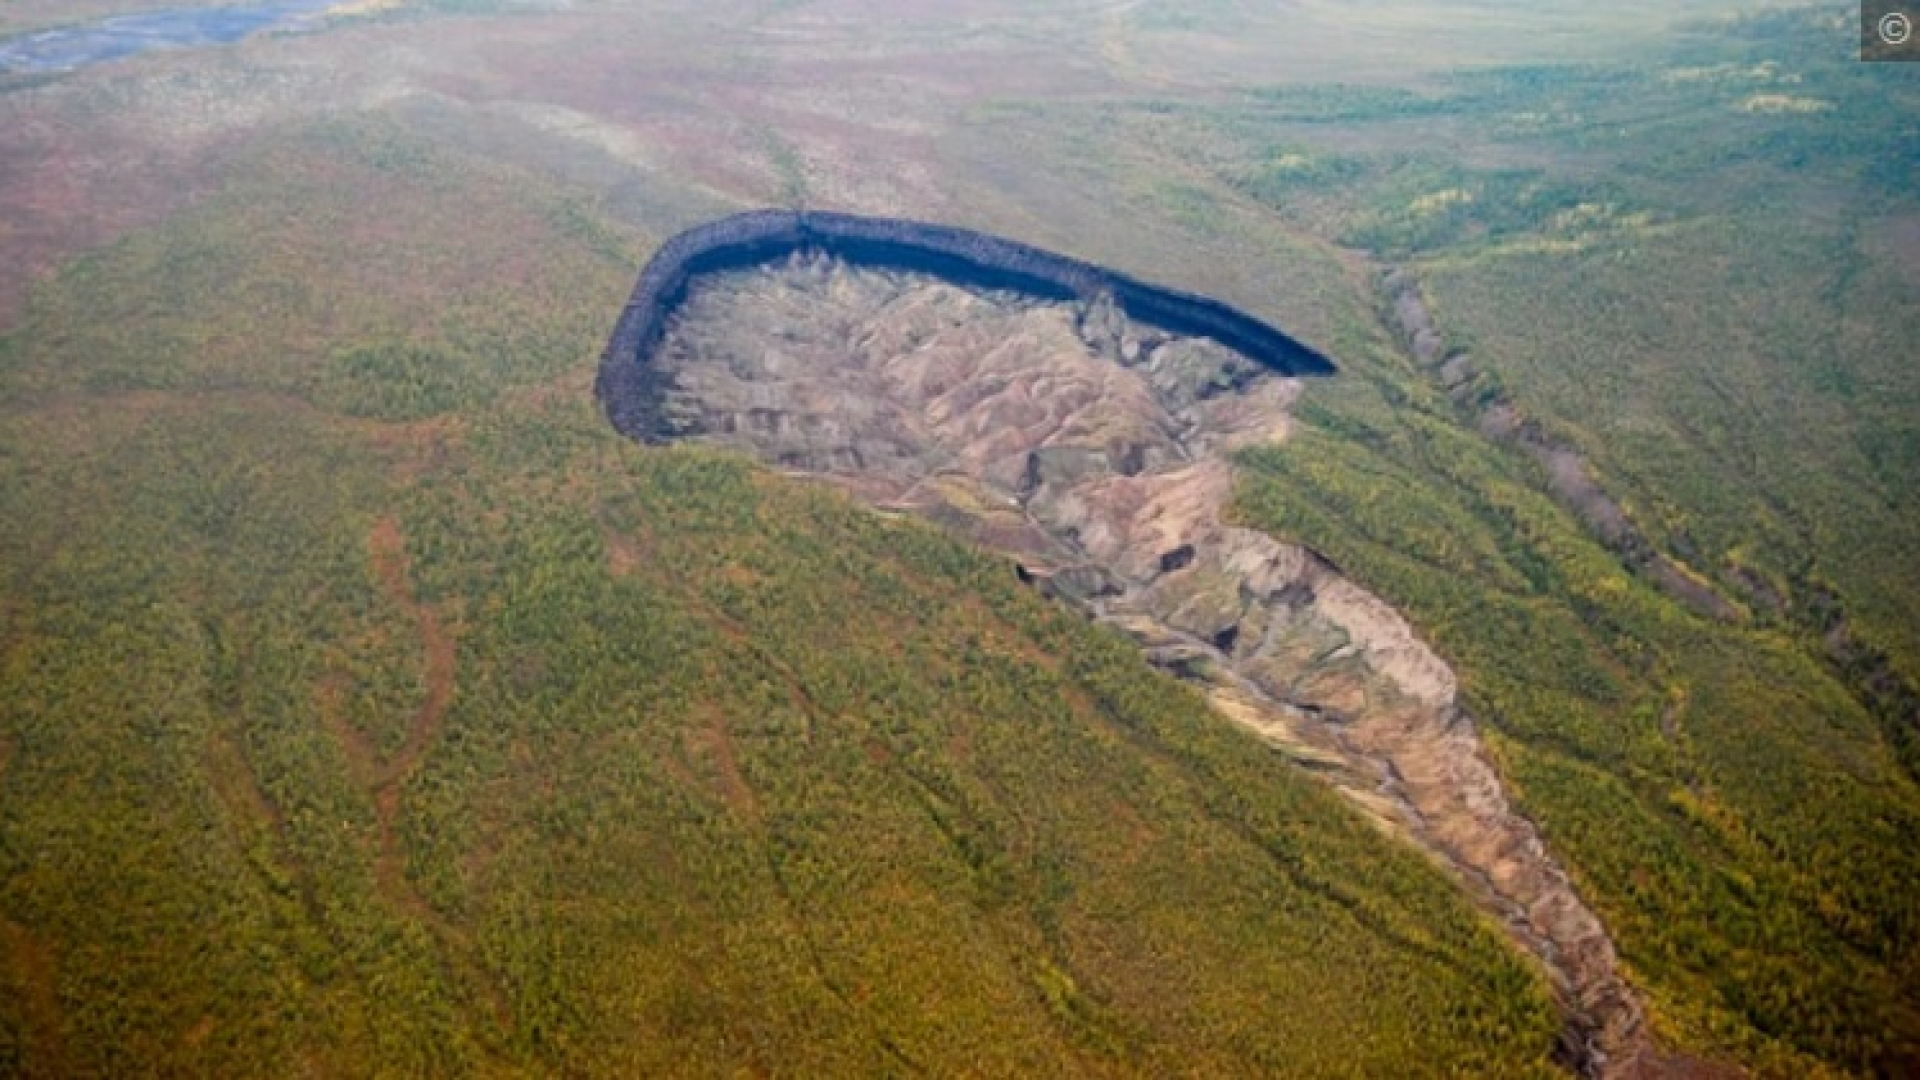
x: 38, y: 971
x: 715, y: 739
x: 622, y: 556
x: 60, y: 196
x: 386, y: 549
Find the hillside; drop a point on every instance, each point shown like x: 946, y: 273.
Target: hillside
x: 368, y: 705
x: 364, y: 718
x: 1095, y: 450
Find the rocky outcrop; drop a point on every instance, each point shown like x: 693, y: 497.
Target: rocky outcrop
x: 1093, y: 448
x: 956, y: 255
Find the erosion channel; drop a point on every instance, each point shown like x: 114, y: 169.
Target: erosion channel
x: 1084, y: 425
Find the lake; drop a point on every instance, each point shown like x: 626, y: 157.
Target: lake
x: 68, y: 47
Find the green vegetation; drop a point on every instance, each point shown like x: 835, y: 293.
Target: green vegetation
x: 1694, y: 268
x: 1686, y: 769
x: 367, y: 706
x: 393, y: 382
x: 1732, y: 362
x: 1425, y: 205
x: 1327, y: 103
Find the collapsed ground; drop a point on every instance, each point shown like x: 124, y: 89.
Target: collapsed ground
x: 1096, y: 450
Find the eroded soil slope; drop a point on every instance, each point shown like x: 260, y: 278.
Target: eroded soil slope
x: 1093, y: 449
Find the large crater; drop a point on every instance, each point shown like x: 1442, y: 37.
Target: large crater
x: 1091, y: 445
x: 956, y: 255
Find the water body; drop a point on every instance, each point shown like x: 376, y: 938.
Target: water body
x: 69, y: 47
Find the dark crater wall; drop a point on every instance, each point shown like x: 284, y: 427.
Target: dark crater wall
x: 964, y: 257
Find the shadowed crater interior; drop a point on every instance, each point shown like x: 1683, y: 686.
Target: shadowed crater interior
x: 959, y: 256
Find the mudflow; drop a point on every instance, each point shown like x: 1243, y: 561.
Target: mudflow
x: 1096, y: 452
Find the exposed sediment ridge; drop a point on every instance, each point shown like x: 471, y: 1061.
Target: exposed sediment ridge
x: 952, y: 254
x: 1093, y: 447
